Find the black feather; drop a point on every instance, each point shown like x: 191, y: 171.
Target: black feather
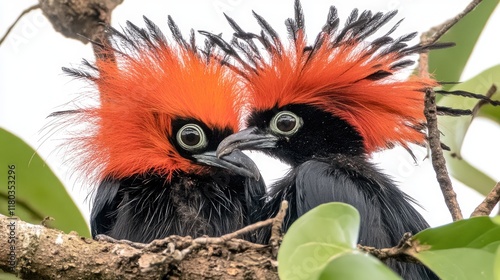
x: 77, y: 73
x: 380, y: 74
x: 402, y: 64
x: 176, y: 33
x: 470, y: 95
x: 216, y: 39
x: 332, y: 21
x: 267, y: 29
x: 299, y: 15
x: 446, y: 111
x: 155, y: 32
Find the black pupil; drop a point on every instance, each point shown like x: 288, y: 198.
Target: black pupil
x: 286, y: 123
x: 190, y: 136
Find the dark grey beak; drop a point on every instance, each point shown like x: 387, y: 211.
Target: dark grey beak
x: 236, y: 162
x: 247, y: 139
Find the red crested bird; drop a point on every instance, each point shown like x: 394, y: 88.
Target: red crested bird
x: 163, y: 109
x: 324, y: 108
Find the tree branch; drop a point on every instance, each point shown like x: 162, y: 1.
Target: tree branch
x: 489, y: 202
x: 43, y: 253
x: 34, y: 7
x: 401, y: 252
x: 40, y: 252
x: 430, y: 111
x: 276, y: 231
x: 82, y: 20
x: 438, y: 160
x: 437, y: 32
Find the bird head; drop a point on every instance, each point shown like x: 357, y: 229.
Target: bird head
x: 163, y: 107
x: 342, y: 94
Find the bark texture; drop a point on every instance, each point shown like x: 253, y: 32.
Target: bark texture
x: 43, y: 253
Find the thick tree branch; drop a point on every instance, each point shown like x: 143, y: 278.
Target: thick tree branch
x: 43, y: 253
x: 82, y: 20
x: 40, y: 252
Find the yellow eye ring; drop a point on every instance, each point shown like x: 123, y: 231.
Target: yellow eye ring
x: 285, y: 123
x: 191, y: 137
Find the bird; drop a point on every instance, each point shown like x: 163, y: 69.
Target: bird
x: 324, y: 108
x: 155, y: 113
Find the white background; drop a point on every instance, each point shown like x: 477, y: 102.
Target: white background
x: 32, y: 84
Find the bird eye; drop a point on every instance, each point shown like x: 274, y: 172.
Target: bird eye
x: 285, y: 123
x: 191, y: 137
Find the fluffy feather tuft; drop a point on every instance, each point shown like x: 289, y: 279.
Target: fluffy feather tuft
x: 150, y: 82
x: 341, y: 72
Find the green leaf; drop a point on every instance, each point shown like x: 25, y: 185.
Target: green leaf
x: 309, y: 260
x: 8, y: 276
x: 357, y: 266
x: 38, y: 192
x: 323, y: 242
x: 334, y: 225
x: 447, y: 65
x: 461, y: 250
x: 497, y: 265
x: 454, y: 129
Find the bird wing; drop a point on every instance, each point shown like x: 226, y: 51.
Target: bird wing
x: 385, y: 211
x: 106, y: 201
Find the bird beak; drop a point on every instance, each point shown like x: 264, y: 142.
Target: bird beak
x: 247, y: 139
x: 236, y: 162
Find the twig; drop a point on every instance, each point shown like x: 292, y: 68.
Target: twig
x: 400, y: 252
x: 438, y: 161
x: 106, y: 238
x: 181, y: 246
x: 438, y: 31
x: 276, y: 222
x: 276, y: 233
x: 232, y: 235
x: 34, y: 7
x: 430, y: 111
x: 488, y: 203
